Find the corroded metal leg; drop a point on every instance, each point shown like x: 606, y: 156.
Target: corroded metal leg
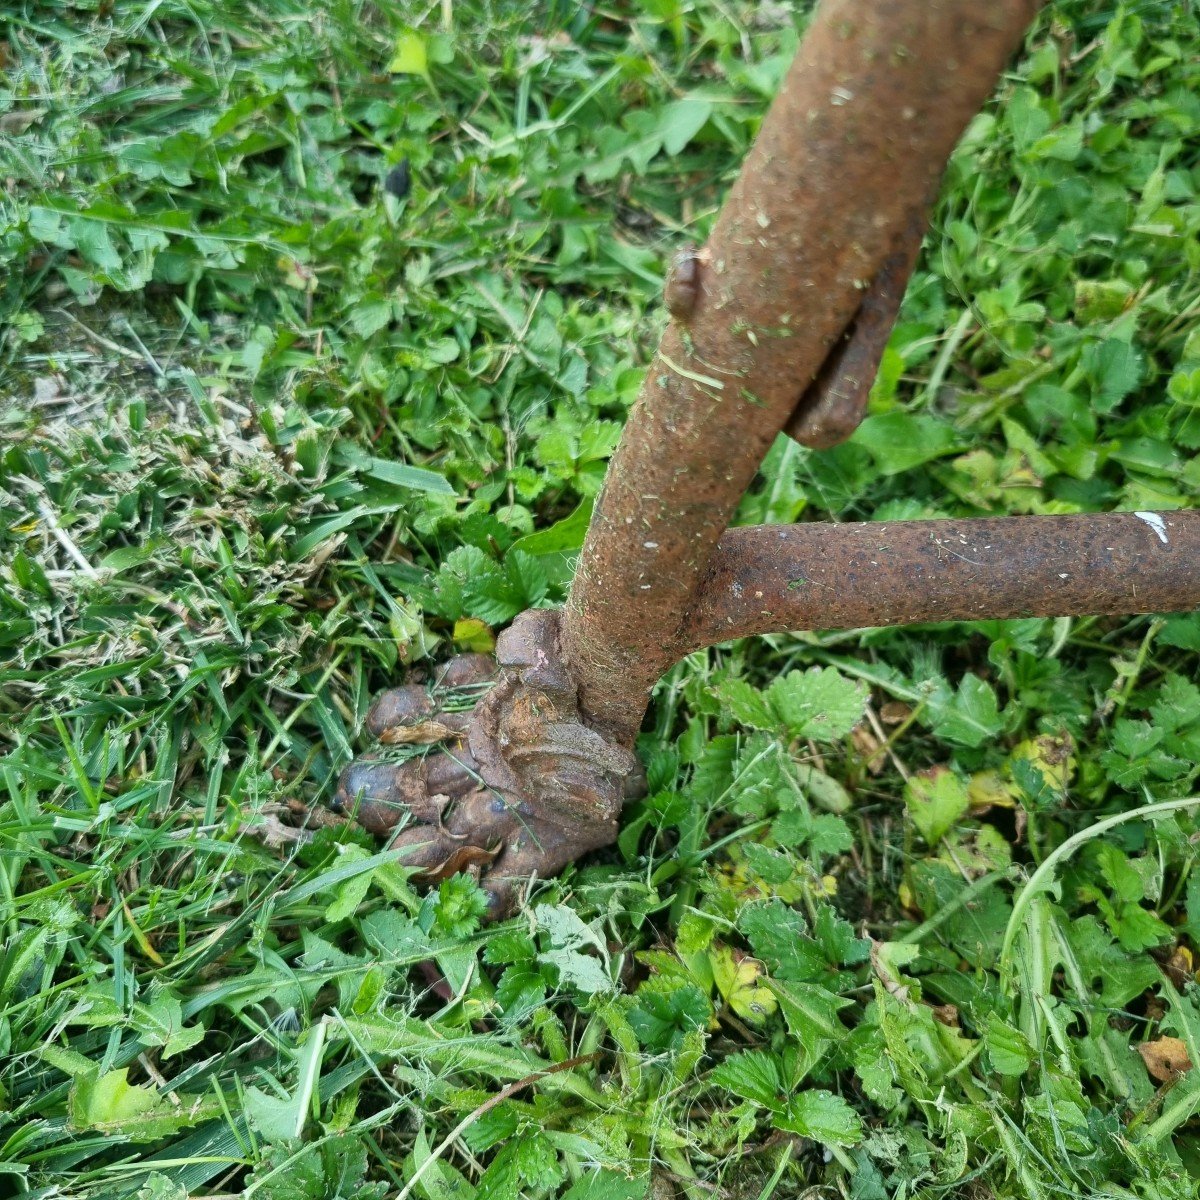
x: 779, y: 320
x: 825, y: 206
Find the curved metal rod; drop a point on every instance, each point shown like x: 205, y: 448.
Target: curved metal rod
x: 774, y: 578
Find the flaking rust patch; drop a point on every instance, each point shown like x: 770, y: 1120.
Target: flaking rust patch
x: 1156, y: 523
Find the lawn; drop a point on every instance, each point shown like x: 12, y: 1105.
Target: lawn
x: 318, y: 326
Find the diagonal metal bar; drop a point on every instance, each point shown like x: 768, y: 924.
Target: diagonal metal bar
x: 836, y: 187
x: 772, y: 578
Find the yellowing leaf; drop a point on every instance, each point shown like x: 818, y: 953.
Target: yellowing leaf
x: 740, y: 981
x: 109, y: 1103
x: 410, y: 56
x: 138, y: 936
x: 105, y: 1101
x: 1052, y: 756
x: 473, y: 634
x: 989, y: 789
x: 975, y: 852
x: 935, y: 800
x: 1180, y: 966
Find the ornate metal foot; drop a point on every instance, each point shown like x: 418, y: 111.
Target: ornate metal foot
x: 515, y: 789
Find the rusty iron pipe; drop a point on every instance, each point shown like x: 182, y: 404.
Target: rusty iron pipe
x: 773, y: 578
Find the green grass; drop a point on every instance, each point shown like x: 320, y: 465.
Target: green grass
x: 269, y: 438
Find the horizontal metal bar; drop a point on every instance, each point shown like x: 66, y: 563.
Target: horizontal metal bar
x: 772, y: 578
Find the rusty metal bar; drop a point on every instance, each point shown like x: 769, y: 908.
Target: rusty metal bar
x: 772, y: 578
x: 841, y: 173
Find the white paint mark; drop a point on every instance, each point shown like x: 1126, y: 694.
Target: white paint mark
x: 1156, y: 523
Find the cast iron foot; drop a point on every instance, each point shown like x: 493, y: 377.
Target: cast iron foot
x: 515, y: 789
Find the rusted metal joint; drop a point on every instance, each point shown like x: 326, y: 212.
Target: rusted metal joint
x: 834, y: 404
x: 769, y: 332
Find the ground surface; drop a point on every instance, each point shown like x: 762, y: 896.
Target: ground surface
x: 267, y: 434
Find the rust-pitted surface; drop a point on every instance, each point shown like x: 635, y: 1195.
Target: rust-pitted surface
x: 845, y: 162
x: 823, y: 576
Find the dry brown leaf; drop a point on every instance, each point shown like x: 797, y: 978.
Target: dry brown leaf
x: 946, y: 1014
x: 1165, y: 1058
x: 421, y: 733
x: 870, y: 747
x: 18, y: 120
x: 1179, y: 967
